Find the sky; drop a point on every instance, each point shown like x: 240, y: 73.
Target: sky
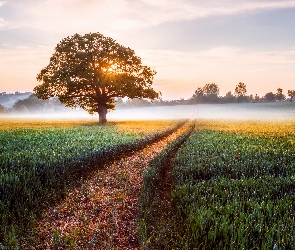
x: 188, y: 42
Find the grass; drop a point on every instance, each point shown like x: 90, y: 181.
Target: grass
x: 233, y: 188
x: 41, y: 160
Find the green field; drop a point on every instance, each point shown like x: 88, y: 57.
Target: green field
x: 223, y: 184
x: 233, y: 187
x: 39, y: 161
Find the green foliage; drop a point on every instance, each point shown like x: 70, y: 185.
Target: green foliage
x: 270, y: 97
x: 279, y: 95
x: 152, y: 207
x: 211, y: 89
x: 30, y: 104
x: 234, y: 214
x: 208, y: 94
x: 228, y: 98
x: 291, y: 93
x: 240, y: 92
x: 91, y: 70
x: 7, y: 99
x: 33, y: 104
x: 235, y: 191
x: 2, y: 109
x: 38, y: 165
x: 211, y: 154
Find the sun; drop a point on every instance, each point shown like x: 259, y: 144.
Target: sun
x: 112, y: 68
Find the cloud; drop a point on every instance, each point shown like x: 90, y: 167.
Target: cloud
x: 74, y: 16
x: 226, y: 66
x: 2, y: 21
x: 179, y: 72
x: 165, y: 10
x: 218, y: 57
x: 113, y: 16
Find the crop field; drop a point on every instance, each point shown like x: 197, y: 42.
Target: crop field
x: 233, y: 187
x: 40, y: 160
x: 219, y: 185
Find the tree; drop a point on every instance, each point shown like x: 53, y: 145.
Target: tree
x: 199, y: 91
x: 198, y: 96
x: 269, y: 97
x: 21, y: 109
x: 138, y: 103
x: 211, y: 92
x: 228, y: 98
x: 291, y: 93
x: 211, y: 89
x: 91, y: 70
x: 279, y: 95
x: 2, y: 109
x: 240, y: 92
x: 30, y: 104
x: 208, y: 94
x: 256, y: 98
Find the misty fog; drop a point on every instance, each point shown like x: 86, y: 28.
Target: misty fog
x: 233, y: 111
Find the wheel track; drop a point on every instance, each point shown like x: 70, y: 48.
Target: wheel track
x: 101, y: 214
x: 155, y: 200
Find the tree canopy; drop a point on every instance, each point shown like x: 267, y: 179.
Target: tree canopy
x: 211, y: 89
x: 91, y: 70
x: 270, y: 97
x: 208, y: 94
x: 241, y: 92
x: 2, y: 109
x: 291, y: 93
x: 279, y: 95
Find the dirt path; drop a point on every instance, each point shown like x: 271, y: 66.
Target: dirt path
x: 101, y: 214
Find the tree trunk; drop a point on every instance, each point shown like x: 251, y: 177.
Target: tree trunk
x: 102, y: 111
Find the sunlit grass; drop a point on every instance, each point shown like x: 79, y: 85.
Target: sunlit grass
x: 31, y: 123
x: 142, y: 127
x: 232, y: 188
x: 40, y: 159
x: 247, y: 127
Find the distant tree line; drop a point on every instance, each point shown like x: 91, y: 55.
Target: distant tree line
x: 208, y: 94
x: 31, y: 104
x: 8, y: 96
